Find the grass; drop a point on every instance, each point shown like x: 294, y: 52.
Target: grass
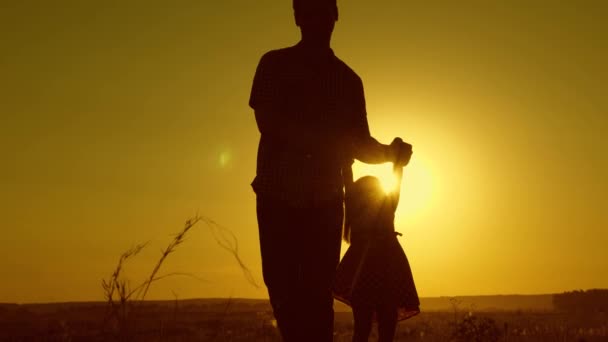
x: 124, y: 300
x: 234, y: 320
x: 127, y: 316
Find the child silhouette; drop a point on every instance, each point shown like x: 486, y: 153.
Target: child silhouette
x: 374, y: 276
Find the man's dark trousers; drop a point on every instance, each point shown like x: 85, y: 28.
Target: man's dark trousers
x: 300, y: 249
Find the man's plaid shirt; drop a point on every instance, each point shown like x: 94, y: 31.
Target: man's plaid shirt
x: 310, y: 110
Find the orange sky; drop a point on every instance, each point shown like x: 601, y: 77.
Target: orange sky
x: 118, y: 122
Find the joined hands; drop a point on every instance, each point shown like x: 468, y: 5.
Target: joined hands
x: 401, y: 152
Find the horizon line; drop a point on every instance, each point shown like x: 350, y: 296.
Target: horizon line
x: 266, y: 298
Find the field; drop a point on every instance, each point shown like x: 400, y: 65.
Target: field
x: 251, y: 320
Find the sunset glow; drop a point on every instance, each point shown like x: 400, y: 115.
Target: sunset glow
x: 119, y: 122
x: 383, y: 172
x: 417, y: 188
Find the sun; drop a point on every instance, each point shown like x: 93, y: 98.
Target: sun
x: 388, y: 179
x: 384, y: 173
x: 416, y: 186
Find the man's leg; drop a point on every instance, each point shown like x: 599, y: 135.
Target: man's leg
x: 280, y: 264
x: 321, y: 237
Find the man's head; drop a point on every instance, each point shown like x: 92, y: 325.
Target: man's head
x: 316, y: 18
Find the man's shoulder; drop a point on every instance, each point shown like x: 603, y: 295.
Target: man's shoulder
x: 288, y: 55
x: 346, y: 70
x: 278, y: 55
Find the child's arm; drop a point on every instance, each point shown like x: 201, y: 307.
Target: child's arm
x: 398, y: 171
x: 347, y: 177
x: 403, y: 159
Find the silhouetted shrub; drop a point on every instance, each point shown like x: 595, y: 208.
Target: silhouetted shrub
x: 476, y: 329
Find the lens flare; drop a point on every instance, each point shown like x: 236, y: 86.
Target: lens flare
x: 225, y: 158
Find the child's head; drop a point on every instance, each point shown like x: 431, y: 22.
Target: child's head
x: 364, y: 205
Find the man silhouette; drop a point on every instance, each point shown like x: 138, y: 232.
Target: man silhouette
x: 310, y: 110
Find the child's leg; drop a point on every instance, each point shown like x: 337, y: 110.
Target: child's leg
x: 363, y: 323
x: 387, y: 323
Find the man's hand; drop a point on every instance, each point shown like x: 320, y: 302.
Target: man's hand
x: 401, y: 152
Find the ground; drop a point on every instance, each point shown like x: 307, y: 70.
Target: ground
x: 240, y: 320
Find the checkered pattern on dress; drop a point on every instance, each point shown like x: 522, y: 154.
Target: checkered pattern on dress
x: 298, y: 93
x: 377, y: 273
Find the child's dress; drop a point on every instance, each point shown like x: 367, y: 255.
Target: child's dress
x: 375, y: 271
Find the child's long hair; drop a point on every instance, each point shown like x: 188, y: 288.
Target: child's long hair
x: 362, y: 200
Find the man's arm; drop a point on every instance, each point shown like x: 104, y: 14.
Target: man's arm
x: 368, y: 150
x: 365, y: 147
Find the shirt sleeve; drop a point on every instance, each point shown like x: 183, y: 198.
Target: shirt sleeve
x: 264, y: 89
x: 360, y: 125
x: 363, y: 146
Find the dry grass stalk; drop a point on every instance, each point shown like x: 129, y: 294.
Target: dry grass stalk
x: 178, y: 240
x: 228, y: 241
x: 116, y: 288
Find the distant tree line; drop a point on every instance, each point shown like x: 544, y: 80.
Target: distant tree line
x: 595, y: 300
